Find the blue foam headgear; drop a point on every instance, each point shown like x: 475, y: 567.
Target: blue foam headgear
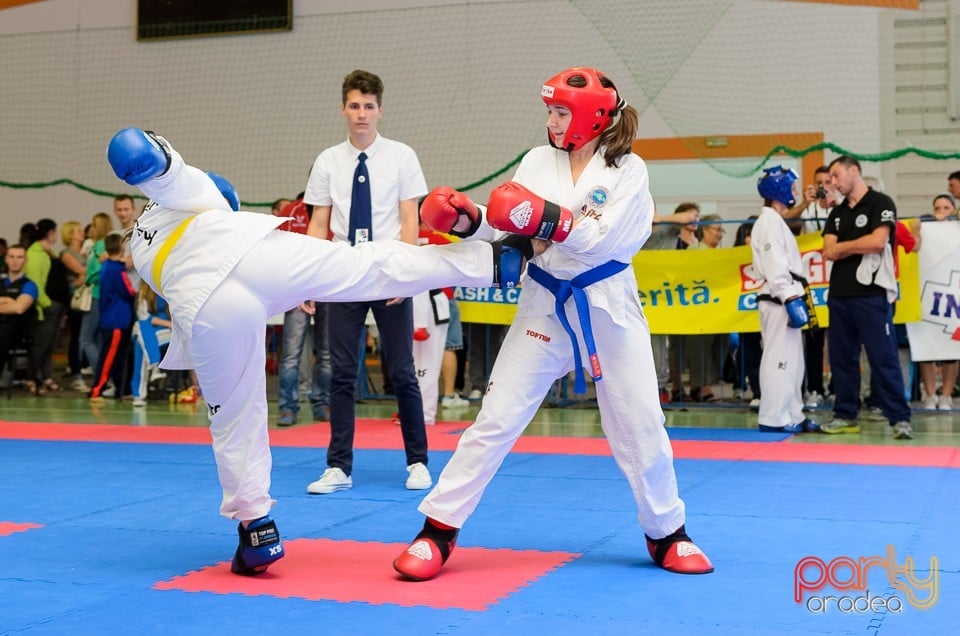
x: 227, y: 190
x: 776, y: 184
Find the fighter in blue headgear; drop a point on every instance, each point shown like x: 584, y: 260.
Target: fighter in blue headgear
x: 776, y: 184
x: 227, y: 190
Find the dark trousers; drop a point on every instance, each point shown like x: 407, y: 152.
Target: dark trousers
x: 74, y: 355
x: 46, y: 336
x: 813, y: 358
x: 866, y: 321
x: 748, y: 361
x: 113, y: 360
x: 345, y: 323
x: 12, y: 333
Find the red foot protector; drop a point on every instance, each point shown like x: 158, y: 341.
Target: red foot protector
x: 682, y: 557
x: 421, y: 561
x: 9, y: 527
x: 361, y: 571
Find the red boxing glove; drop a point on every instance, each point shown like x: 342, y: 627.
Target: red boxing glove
x: 420, y: 334
x: 513, y: 208
x: 446, y: 210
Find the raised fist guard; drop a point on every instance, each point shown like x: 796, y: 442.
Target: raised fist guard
x: 447, y: 210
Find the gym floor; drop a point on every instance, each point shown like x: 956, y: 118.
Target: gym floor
x: 110, y: 525
x: 577, y: 418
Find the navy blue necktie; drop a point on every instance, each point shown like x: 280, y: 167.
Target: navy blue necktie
x: 361, y: 223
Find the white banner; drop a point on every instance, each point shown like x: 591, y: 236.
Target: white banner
x: 937, y: 335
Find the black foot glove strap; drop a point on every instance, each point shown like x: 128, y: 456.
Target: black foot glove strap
x: 445, y: 539
x: 662, y: 545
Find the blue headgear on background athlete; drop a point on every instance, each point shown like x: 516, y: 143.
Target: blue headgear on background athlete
x: 227, y: 190
x: 776, y: 184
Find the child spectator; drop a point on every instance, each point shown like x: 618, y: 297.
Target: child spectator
x: 150, y: 333
x: 116, y: 318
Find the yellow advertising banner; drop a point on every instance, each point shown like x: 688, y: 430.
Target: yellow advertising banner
x: 704, y: 291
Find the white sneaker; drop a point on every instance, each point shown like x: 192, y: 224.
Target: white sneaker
x: 755, y: 404
x: 814, y: 400
x: 475, y: 395
x: 80, y: 385
x: 419, y: 477
x: 945, y: 403
x: 453, y: 402
x: 139, y: 402
x: 332, y: 480
x: 109, y: 392
x: 929, y: 403
x: 86, y: 371
x: 902, y: 430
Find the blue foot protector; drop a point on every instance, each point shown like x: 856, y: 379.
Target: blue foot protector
x: 790, y: 428
x: 259, y: 547
x: 806, y: 426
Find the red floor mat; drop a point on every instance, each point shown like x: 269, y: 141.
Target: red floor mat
x: 382, y: 434
x: 9, y: 527
x: 360, y: 571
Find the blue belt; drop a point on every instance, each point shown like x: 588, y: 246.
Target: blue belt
x: 562, y: 290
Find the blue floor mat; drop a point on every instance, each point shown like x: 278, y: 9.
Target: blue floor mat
x: 118, y: 518
x: 723, y: 434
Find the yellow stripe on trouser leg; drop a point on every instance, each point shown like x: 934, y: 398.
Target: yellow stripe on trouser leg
x: 165, y: 250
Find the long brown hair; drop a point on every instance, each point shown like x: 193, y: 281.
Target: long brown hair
x: 148, y: 296
x: 618, y: 138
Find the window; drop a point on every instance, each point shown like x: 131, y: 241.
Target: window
x: 189, y: 18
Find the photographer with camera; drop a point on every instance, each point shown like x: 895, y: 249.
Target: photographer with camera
x: 811, y: 212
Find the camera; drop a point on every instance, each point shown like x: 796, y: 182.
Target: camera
x: 821, y: 192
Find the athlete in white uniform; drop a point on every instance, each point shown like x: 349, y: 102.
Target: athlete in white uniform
x: 218, y: 270
x: 782, y: 306
x: 589, y: 168
x: 431, y: 320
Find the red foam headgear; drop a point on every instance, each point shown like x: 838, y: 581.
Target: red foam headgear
x: 591, y: 104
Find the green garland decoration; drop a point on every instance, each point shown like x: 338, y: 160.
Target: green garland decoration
x: 491, y: 177
x: 50, y: 184
x: 793, y: 152
x: 877, y: 157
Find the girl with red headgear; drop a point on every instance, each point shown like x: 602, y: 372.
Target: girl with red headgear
x: 587, y: 196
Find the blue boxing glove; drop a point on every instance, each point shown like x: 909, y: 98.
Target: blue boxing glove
x: 510, y: 255
x: 138, y: 155
x: 797, y: 314
x: 227, y: 190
